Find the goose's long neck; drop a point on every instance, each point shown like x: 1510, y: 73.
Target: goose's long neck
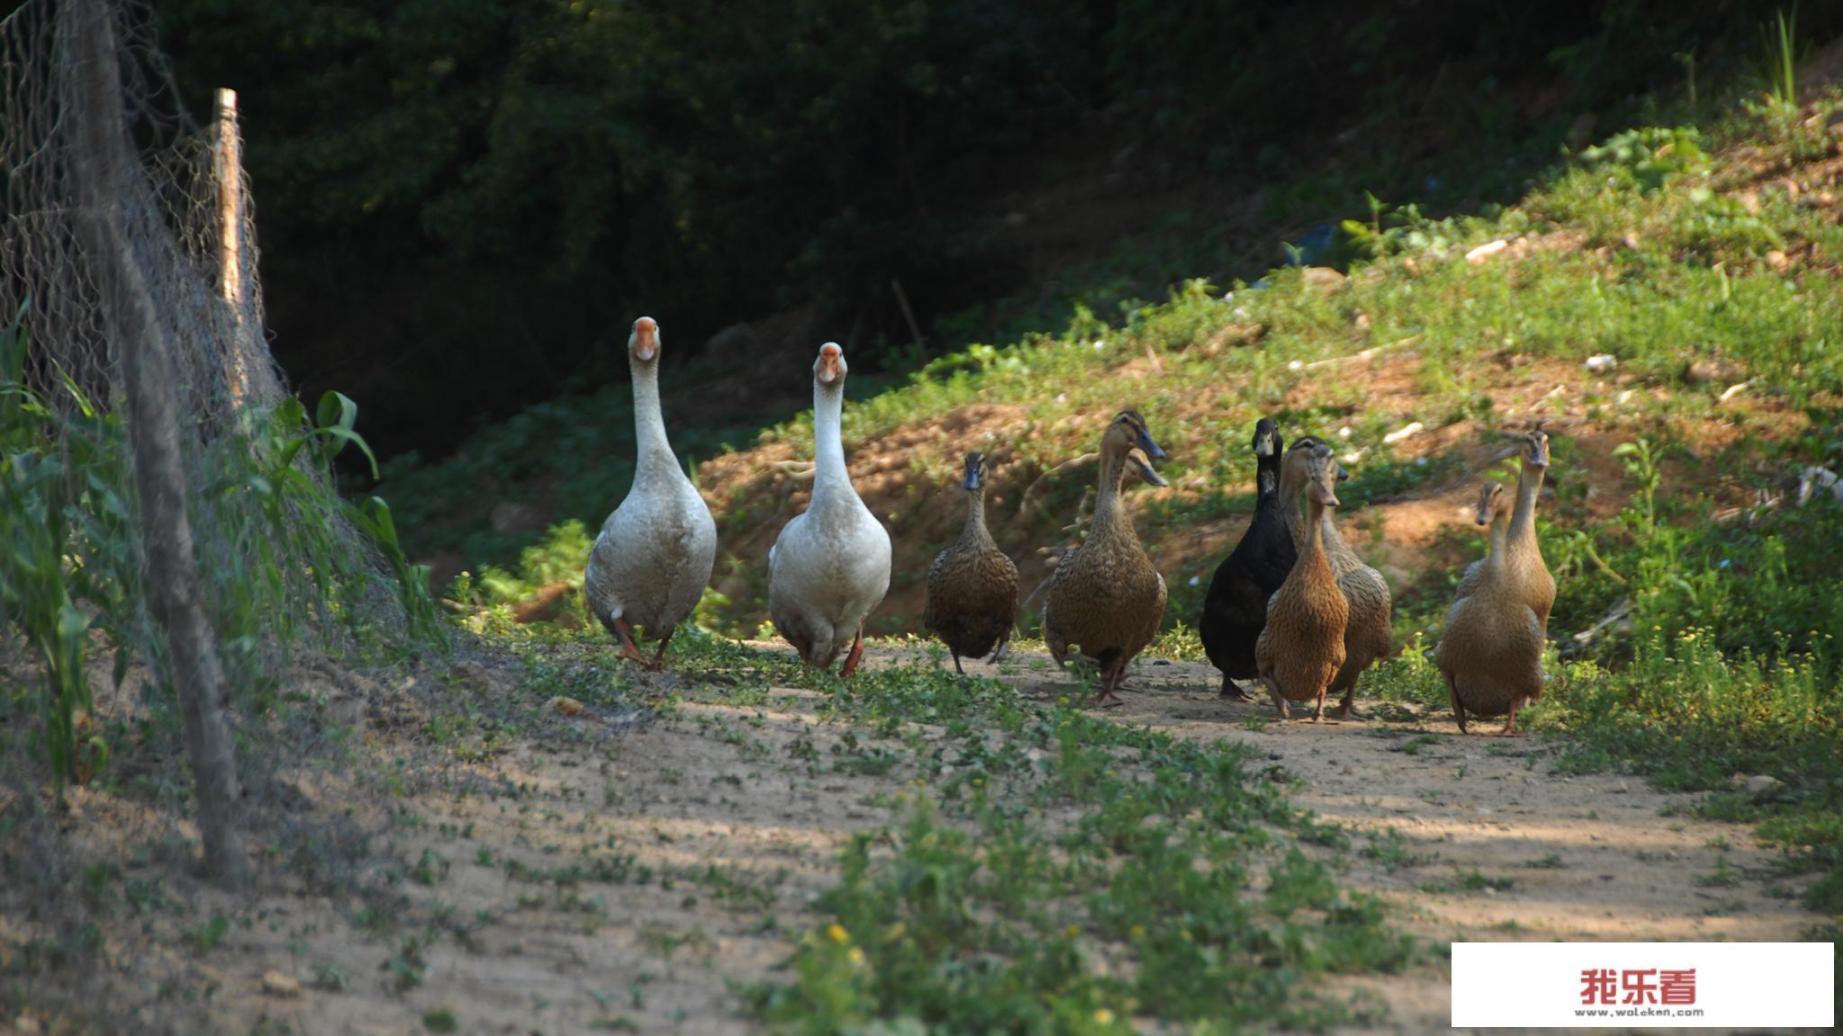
x: 829, y: 472
x: 655, y: 457
x: 1522, y: 534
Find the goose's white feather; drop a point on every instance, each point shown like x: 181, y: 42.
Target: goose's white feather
x: 830, y: 566
x: 653, y: 558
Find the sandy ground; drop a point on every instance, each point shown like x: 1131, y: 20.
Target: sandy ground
x: 583, y: 935
x: 1590, y: 858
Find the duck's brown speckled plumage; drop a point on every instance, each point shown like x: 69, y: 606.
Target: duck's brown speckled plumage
x: 1301, y: 648
x: 972, y: 585
x: 1106, y: 599
x: 1491, y: 652
x: 1367, y: 635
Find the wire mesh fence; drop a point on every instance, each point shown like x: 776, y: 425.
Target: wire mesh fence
x: 291, y: 577
x: 296, y: 571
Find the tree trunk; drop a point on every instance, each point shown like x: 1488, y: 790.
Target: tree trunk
x: 93, y: 101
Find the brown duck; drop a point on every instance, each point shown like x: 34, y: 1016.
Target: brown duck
x: 1541, y: 585
x: 1301, y: 649
x: 972, y: 585
x: 1491, y: 653
x: 1367, y: 636
x: 1525, y: 555
x: 1106, y: 599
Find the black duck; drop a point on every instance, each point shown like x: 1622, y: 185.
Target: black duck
x: 1235, y: 607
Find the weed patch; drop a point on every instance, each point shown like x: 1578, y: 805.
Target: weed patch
x: 1170, y: 861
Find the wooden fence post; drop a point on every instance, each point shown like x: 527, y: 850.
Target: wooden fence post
x: 227, y: 174
x: 100, y: 157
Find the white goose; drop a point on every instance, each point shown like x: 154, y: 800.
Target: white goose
x: 653, y: 558
x: 831, y: 564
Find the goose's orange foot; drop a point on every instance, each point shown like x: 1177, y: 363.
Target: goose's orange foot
x: 628, y: 649
x: 856, y: 655
x: 658, y: 660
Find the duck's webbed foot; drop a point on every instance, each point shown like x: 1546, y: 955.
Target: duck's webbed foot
x: 1110, y: 685
x: 1452, y: 690
x: 1232, y: 691
x: 1279, y: 703
x: 1510, y: 723
x: 1347, y: 708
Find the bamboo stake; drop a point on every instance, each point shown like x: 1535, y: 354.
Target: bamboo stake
x: 227, y: 171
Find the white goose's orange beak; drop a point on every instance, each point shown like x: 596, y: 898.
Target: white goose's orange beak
x: 644, y: 342
x: 830, y: 367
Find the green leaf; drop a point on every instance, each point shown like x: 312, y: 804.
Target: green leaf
x: 101, y: 748
x: 285, y: 460
x: 383, y: 526
x: 337, y: 410
x: 340, y: 436
x: 72, y: 623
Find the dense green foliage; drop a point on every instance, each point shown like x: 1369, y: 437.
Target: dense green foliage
x: 282, y: 570
x: 69, y: 564
x: 462, y: 197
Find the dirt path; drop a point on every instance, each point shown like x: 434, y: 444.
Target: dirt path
x: 1477, y: 840
x: 629, y: 890
x: 641, y: 884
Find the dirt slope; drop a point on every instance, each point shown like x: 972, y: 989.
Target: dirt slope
x: 906, y: 477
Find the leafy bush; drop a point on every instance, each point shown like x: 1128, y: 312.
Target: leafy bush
x: 1649, y: 156
x: 276, y: 556
x: 69, y: 563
